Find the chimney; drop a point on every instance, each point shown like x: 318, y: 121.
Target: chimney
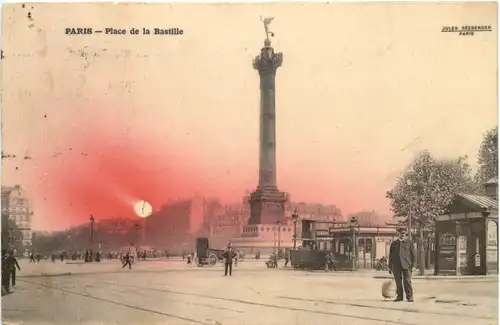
x: 491, y: 188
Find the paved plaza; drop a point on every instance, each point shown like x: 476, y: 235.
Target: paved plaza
x: 171, y: 292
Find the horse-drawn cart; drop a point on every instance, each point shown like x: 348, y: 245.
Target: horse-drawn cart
x: 206, y: 255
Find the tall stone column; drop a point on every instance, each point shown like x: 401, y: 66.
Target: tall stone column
x: 267, y: 63
x: 267, y: 203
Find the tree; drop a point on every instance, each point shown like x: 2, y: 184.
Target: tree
x: 487, y: 159
x: 434, y: 184
x: 426, y: 190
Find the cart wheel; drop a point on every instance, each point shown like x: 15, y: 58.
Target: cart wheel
x: 198, y: 262
x: 212, y: 259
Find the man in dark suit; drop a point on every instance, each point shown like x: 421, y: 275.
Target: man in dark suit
x: 402, y: 260
x: 229, y: 255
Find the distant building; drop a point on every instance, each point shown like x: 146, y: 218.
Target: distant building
x: 228, y: 223
x: 314, y: 211
x: 176, y: 224
x: 16, y: 206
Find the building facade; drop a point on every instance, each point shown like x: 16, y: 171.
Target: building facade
x: 175, y: 225
x: 17, y: 207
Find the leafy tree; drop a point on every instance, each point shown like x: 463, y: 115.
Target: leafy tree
x: 427, y: 187
x: 487, y: 159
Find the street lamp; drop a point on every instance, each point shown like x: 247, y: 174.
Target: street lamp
x: 274, y: 241
x: 352, y: 225
x: 90, y: 257
x: 295, y: 218
x: 92, y: 224
x: 279, y: 236
x: 409, y: 181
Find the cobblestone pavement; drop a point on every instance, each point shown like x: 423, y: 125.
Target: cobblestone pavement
x: 171, y: 292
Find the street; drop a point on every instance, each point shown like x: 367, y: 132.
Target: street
x: 171, y: 292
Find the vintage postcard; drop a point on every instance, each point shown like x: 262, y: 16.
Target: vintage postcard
x: 271, y: 164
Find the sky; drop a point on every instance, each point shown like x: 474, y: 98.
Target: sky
x: 98, y: 121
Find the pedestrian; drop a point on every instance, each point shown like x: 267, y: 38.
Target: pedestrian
x: 5, y: 271
x: 127, y: 261
x: 327, y: 261
x: 32, y: 258
x: 331, y: 265
x: 13, y: 264
x: 189, y: 257
x: 62, y: 257
x: 402, y: 260
x: 287, y: 257
x: 229, y: 255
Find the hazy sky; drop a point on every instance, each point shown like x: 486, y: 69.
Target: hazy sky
x: 362, y: 89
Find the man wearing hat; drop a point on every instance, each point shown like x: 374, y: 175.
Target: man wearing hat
x: 228, y: 255
x: 402, y: 260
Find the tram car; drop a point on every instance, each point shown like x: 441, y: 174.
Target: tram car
x: 206, y: 255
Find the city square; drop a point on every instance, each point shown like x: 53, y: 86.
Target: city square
x: 172, y: 292
x: 133, y: 220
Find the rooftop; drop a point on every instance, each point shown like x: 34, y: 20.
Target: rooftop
x: 493, y: 180
x: 482, y: 201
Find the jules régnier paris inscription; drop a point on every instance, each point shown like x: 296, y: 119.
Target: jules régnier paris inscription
x: 124, y: 31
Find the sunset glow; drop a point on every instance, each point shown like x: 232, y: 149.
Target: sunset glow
x: 143, y: 209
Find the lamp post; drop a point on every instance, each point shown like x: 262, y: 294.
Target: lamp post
x: 90, y: 257
x: 421, y: 253
x: 92, y: 225
x: 352, y: 226
x: 295, y: 218
x: 279, y: 237
x: 409, y: 182
x: 274, y: 241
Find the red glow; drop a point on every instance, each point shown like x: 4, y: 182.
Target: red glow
x: 105, y: 174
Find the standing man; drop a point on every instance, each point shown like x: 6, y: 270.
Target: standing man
x: 229, y: 255
x: 5, y: 271
x: 287, y: 257
x: 402, y: 260
x: 13, y: 264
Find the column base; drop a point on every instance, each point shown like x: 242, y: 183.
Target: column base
x: 267, y: 206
